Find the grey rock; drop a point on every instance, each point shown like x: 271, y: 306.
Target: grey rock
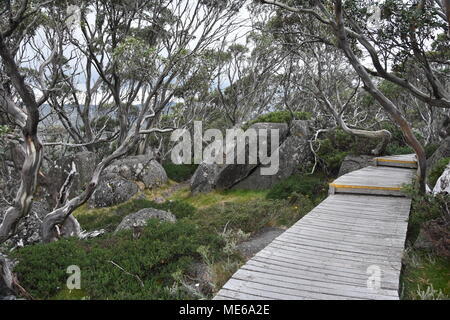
x: 29, y: 228
x: 294, y: 153
x: 294, y: 156
x: 142, y: 168
x: 85, y: 163
x: 232, y: 174
x: 203, y: 179
x: 112, y: 190
x: 353, y: 163
x: 140, y: 218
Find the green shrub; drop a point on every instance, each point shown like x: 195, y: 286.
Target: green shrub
x: 109, y: 218
x: 425, y: 272
x: 425, y: 276
x: 437, y: 171
x: 336, y: 145
x: 394, y: 149
x: 398, y: 145
x: 179, y: 172
x: 160, y: 251
x: 179, y: 208
x: 424, y: 208
x: 279, y: 117
x: 311, y: 185
x: 431, y: 148
x: 331, y: 156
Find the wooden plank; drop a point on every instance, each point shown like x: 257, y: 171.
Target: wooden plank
x: 355, y: 232
x: 303, y: 229
x: 349, y: 247
x: 347, y: 238
x: 311, y: 272
x: 225, y: 294
x: 278, y: 290
x: 364, y: 199
x: 334, y: 254
x: 316, y: 288
x: 363, y: 212
x: 257, y: 289
x: 370, y: 207
x: 340, y: 265
x: 357, y: 199
x: 337, y: 218
x: 327, y: 250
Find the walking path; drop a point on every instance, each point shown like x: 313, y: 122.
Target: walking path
x: 349, y: 247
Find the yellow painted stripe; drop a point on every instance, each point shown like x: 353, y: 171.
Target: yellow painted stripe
x: 397, y: 161
x: 364, y: 187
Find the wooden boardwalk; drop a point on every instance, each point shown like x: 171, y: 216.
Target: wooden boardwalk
x: 349, y: 247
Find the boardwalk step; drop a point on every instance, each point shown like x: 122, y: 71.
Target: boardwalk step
x: 386, y: 181
x: 402, y: 161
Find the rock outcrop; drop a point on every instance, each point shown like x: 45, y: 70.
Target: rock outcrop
x: 294, y: 154
x: 140, y: 218
x: 29, y: 229
x: 85, y: 163
x: 203, y: 179
x: 141, y: 168
x: 123, y: 179
x: 112, y: 190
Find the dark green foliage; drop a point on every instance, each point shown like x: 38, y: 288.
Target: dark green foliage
x: 279, y: 117
x: 397, y: 145
x: 336, y: 145
x: 430, y: 149
x: 109, y: 218
x: 161, y: 250
x: 179, y: 208
x: 395, y: 149
x: 424, y: 208
x: 437, y: 171
x: 311, y: 185
x: 179, y: 172
x: 425, y: 268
